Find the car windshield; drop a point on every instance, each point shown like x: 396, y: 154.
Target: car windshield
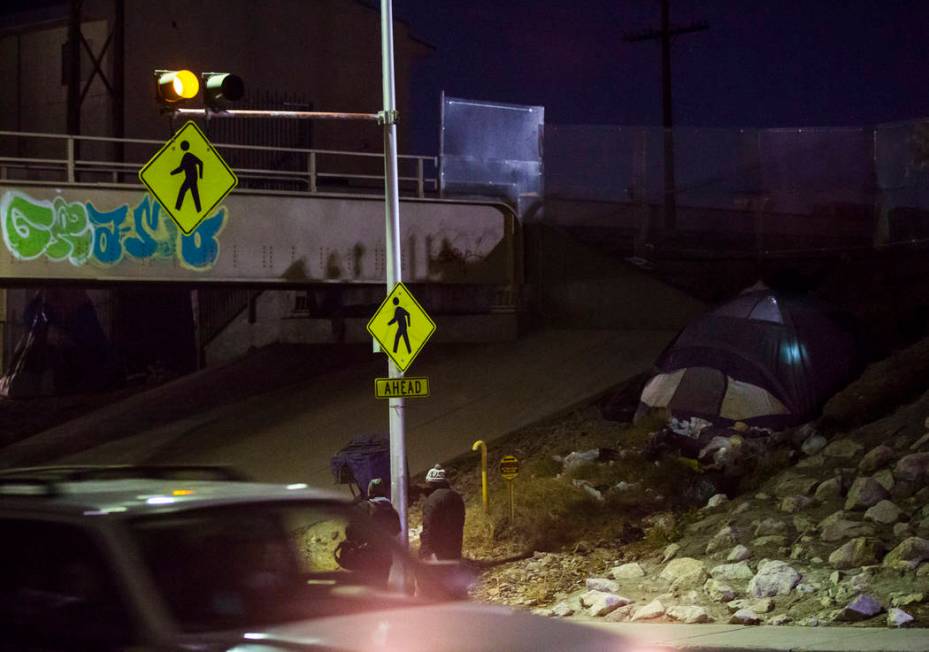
x: 250, y: 565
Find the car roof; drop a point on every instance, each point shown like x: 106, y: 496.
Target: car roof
x: 110, y: 490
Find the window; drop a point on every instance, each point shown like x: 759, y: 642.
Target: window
x: 250, y: 565
x: 58, y: 591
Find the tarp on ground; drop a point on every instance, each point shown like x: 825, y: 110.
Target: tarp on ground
x: 364, y: 458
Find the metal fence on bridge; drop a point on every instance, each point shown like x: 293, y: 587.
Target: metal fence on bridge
x: 738, y: 191
x: 60, y: 158
x: 752, y: 191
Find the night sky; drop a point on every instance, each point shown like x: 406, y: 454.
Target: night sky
x: 762, y: 63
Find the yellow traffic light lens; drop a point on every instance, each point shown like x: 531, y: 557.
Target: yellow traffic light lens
x: 176, y: 85
x: 186, y: 84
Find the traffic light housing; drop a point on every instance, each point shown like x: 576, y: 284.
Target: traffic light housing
x: 175, y: 86
x: 220, y: 89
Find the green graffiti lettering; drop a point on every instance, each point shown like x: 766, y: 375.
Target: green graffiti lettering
x: 78, y: 233
x: 26, y: 224
x: 72, y: 235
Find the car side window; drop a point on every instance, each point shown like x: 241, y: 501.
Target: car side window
x: 58, y: 591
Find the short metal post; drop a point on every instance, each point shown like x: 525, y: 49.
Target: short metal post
x: 70, y: 146
x: 485, y: 499
x: 311, y: 166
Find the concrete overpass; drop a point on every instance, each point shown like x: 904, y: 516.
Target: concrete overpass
x: 65, y: 219
x: 71, y: 213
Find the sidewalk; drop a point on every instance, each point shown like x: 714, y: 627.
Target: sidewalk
x: 736, y: 638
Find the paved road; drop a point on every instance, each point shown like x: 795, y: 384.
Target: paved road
x: 478, y: 392
x: 738, y: 638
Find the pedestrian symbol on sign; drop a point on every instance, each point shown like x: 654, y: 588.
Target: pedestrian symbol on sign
x: 400, y: 317
x: 192, y: 167
x: 403, y: 321
x: 188, y: 165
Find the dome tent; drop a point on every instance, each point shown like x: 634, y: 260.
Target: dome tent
x: 764, y: 358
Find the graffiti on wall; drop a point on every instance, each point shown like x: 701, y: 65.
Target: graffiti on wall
x: 80, y: 233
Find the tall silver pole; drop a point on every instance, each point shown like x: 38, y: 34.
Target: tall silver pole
x: 394, y: 266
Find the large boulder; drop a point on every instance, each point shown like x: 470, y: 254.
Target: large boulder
x: 738, y: 553
x: 600, y: 603
x: 913, y: 468
x: 759, y: 606
x: 877, y: 458
x: 719, y: 591
x: 885, y: 513
x: 861, y: 608
x: 630, y: 571
x: 794, y: 504
x: 865, y: 492
x: 843, y: 449
x: 885, y: 478
x: 684, y: 573
x: 773, y: 578
x: 562, y: 610
x: 856, y: 553
x: 690, y: 615
x: 739, y: 572
x: 770, y: 526
x: 794, y: 485
x: 830, y: 489
x: 602, y: 584
x: 716, y: 500
x: 899, y: 618
x: 745, y: 617
x: 670, y: 552
x: 845, y: 529
x: 727, y: 537
x: 909, y: 554
x: 654, y: 609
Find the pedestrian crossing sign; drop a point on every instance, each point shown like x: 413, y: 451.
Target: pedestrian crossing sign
x: 188, y: 177
x: 401, y: 327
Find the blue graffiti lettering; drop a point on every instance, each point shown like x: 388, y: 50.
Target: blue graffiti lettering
x: 108, y: 232
x: 200, y: 249
x: 81, y: 232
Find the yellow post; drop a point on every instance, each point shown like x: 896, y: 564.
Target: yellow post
x: 484, y: 497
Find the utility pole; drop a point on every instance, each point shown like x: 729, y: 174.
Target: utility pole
x: 665, y: 34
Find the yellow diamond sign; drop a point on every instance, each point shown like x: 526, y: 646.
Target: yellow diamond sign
x: 401, y: 326
x: 188, y: 177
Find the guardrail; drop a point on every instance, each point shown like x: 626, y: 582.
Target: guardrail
x: 317, y: 171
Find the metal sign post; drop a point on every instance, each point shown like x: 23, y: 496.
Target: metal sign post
x: 398, y: 489
x: 509, y: 469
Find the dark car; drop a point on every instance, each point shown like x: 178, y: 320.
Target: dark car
x: 194, y: 558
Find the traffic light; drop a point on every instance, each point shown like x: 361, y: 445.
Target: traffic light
x: 175, y: 86
x: 221, y: 88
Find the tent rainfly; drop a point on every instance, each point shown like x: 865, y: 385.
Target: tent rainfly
x: 764, y: 359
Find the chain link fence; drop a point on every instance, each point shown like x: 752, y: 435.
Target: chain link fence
x: 743, y: 191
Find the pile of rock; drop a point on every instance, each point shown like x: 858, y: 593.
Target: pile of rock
x: 843, y: 536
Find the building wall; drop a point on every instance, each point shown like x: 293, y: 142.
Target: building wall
x: 36, y: 94
x: 326, y: 50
